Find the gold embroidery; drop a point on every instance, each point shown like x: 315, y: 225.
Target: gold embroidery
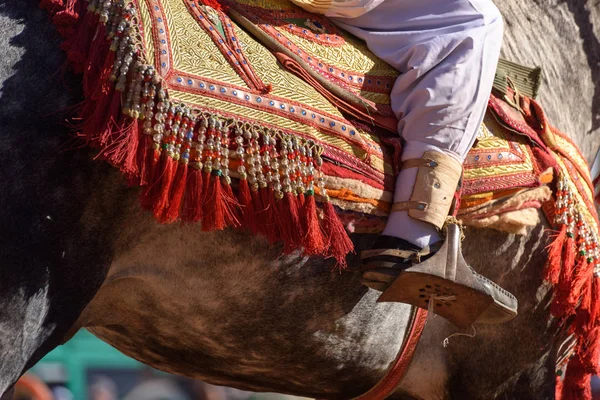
x: 193, y: 50
x: 147, y: 24
x: 353, y: 57
x: 493, y: 139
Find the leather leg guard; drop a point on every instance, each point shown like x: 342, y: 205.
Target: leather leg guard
x: 433, y: 193
x: 443, y: 283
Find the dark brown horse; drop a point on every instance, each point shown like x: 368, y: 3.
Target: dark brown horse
x: 76, y: 251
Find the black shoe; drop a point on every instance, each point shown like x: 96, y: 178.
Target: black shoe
x: 436, y: 278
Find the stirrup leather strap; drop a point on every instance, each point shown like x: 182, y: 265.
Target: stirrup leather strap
x: 409, y: 205
x: 433, y: 192
x: 388, y: 252
x: 409, y: 254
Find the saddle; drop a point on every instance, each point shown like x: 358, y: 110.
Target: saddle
x: 261, y: 116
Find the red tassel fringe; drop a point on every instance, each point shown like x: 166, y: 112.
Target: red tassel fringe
x: 149, y: 195
x: 288, y: 218
x: 245, y: 199
x: 582, y: 322
x: 144, y: 158
x: 104, y: 85
x: 94, y: 67
x: 110, y: 126
x: 219, y: 206
x: 212, y: 208
x: 589, y: 352
x: 595, y: 183
x: 178, y: 190
x: 192, y: 201
x: 260, y: 214
x: 274, y: 232
x: 52, y: 6
x: 561, y: 305
x: 122, y: 152
x: 166, y: 175
x: 314, y: 242
x: 206, y: 178
x: 595, y: 304
x: 269, y: 214
x: 232, y: 217
x: 65, y: 16
x: 100, y: 119
x: 301, y: 199
x: 576, y: 385
x: 77, y: 46
x: 94, y: 114
x: 555, y: 250
x: 558, y: 388
x: 568, y: 263
x: 338, y: 244
x: 581, y: 289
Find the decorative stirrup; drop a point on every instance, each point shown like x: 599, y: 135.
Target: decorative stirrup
x: 433, y: 193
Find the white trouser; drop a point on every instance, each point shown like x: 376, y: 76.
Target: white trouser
x: 339, y: 8
x: 446, y: 52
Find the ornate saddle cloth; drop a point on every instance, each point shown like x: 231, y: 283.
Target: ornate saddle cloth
x: 183, y: 97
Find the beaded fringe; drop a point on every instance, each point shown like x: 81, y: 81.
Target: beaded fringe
x: 573, y: 269
x: 185, y: 158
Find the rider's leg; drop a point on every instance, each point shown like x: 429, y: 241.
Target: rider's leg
x: 446, y: 51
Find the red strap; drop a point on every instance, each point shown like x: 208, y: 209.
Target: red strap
x: 395, y: 373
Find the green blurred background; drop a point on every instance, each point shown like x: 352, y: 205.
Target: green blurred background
x: 86, y: 368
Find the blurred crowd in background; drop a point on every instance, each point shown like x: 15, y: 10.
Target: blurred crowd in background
x: 86, y: 368
x: 121, y: 385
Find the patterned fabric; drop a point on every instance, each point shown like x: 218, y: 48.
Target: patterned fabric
x: 241, y: 96
x: 182, y: 100
x: 180, y: 37
x: 334, y: 59
x: 252, y: 106
x: 210, y: 81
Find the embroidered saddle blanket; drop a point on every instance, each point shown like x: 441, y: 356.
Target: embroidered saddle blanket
x: 247, y: 113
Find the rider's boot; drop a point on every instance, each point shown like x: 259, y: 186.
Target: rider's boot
x: 437, y: 277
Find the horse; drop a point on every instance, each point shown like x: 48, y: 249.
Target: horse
x: 227, y: 307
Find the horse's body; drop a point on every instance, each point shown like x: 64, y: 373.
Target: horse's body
x: 77, y: 251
